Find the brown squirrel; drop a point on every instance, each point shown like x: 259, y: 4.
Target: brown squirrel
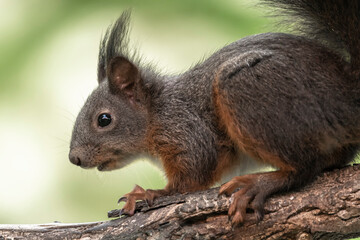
x: 288, y: 100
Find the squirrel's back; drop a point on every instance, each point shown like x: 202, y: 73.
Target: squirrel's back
x: 329, y: 33
x: 290, y: 53
x: 334, y: 23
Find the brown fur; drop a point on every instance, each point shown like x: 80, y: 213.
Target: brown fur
x: 175, y: 169
x: 244, y: 141
x: 227, y: 158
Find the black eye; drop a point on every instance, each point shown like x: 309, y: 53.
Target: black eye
x: 104, y: 119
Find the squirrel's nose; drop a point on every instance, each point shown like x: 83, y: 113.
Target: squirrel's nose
x: 75, y: 158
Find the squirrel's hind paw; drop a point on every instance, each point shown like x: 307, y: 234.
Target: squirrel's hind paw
x: 253, y: 192
x: 241, y: 201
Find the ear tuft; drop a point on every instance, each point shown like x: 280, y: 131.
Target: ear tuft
x: 123, y: 77
x: 114, y: 43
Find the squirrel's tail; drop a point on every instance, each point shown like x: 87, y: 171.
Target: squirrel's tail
x: 335, y: 23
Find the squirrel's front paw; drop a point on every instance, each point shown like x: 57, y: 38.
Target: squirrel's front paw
x: 138, y: 193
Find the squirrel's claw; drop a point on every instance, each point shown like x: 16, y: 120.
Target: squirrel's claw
x: 122, y: 199
x: 121, y: 212
x: 138, y: 193
x: 241, y: 199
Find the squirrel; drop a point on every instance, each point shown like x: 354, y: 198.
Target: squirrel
x: 288, y: 100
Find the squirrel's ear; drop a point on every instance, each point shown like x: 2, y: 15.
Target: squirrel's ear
x: 123, y: 76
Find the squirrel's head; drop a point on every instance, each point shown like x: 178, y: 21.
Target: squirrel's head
x: 110, y: 128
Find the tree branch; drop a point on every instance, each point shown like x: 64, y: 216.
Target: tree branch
x: 329, y: 208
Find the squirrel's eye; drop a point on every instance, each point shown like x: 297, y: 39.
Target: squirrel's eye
x: 104, y: 119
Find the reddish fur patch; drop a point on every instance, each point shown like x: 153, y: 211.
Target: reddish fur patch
x: 227, y: 158
x: 253, y: 179
x: 176, y: 170
x: 238, y: 134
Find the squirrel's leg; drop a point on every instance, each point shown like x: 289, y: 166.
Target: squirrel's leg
x: 188, y: 168
x: 256, y: 188
x: 258, y: 112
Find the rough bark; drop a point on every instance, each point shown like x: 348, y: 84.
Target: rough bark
x: 329, y: 208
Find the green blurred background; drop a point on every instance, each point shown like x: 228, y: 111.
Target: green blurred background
x: 48, y: 60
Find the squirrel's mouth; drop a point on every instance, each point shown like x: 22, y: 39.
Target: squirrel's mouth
x: 112, y: 162
x: 108, y: 165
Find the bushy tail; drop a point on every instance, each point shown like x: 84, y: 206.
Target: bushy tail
x: 333, y: 22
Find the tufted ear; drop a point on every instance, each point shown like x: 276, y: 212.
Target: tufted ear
x: 123, y: 77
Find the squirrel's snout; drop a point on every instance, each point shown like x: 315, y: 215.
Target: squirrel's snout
x: 75, y: 158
